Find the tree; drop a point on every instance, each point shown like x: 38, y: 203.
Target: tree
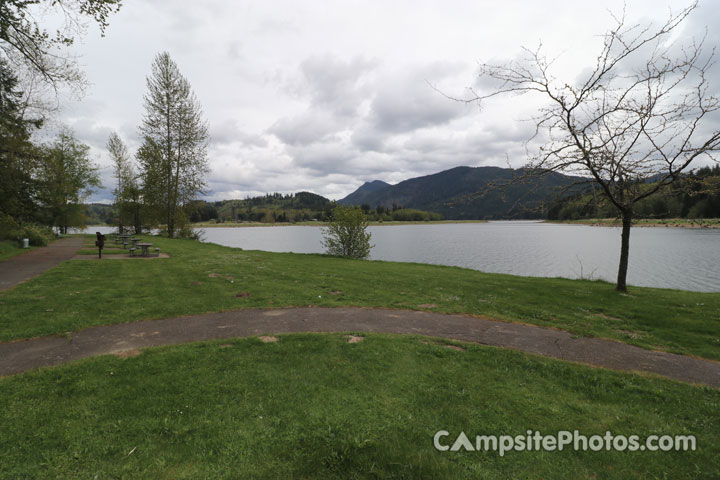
x: 128, y: 202
x: 346, y: 233
x: 632, y: 125
x: 68, y: 177
x: 27, y: 45
x: 173, y: 156
x: 18, y: 156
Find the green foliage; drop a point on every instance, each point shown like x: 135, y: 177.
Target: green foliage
x: 39, y: 236
x: 39, y: 51
x: 173, y: 156
x: 99, y: 214
x: 18, y: 156
x: 346, y: 233
x: 68, y: 177
x: 403, y: 215
x: 274, y: 208
x: 186, y: 231
x: 128, y: 204
x: 693, y: 195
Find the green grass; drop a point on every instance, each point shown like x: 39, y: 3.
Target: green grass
x: 10, y: 248
x: 106, y: 251
x: 202, y: 278
x: 314, y: 406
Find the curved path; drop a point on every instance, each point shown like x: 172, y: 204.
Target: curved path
x: 24, y: 355
x: 27, y: 265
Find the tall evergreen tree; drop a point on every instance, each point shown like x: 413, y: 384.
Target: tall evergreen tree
x: 173, y: 156
x: 18, y: 157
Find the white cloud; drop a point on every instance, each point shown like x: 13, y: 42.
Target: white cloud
x: 323, y: 96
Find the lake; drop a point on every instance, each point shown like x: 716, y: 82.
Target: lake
x: 680, y: 258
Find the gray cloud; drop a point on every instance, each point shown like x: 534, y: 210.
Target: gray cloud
x: 321, y: 96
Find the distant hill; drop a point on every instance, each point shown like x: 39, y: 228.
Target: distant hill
x: 467, y: 193
x: 367, y: 191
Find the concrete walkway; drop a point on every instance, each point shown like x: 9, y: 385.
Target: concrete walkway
x: 25, y: 355
x: 28, y: 265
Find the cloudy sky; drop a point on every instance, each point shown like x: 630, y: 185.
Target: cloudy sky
x: 324, y: 95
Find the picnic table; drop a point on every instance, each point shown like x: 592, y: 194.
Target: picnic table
x: 145, y: 248
x: 134, y: 241
x: 123, y: 238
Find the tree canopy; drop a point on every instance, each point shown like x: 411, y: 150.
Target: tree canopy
x: 173, y: 156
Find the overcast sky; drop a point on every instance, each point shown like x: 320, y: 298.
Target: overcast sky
x: 325, y: 95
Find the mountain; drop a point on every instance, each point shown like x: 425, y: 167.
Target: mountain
x: 368, y: 190
x: 468, y: 193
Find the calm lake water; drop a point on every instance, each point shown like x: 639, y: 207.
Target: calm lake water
x: 687, y: 259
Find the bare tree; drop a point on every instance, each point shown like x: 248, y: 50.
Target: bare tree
x: 40, y: 56
x: 632, y: 125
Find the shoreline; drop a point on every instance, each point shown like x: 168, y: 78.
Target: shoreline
x: 711, y: 223
x: 324, y: 224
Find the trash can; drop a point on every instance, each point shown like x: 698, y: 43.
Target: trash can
x: 26, y: 243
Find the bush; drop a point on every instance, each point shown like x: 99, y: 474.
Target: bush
x: 38, y: 236
x: 186, y: 231
x: 346, y: 234
x: 10, y: 230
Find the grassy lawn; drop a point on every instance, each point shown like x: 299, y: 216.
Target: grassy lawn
x: 206, y: 277
x: 315, y: 406
x: 10, y: 248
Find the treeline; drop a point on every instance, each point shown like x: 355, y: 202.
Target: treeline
x: 42, y: 185
x: 292, y: 208
x: 397, y: 213
x: 269, y: 208
x: 695, y: 195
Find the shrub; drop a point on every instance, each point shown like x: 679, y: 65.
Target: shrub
x: 9, y: 229
x: 38, y: 236
x: 346, y: 234
x: 186, y: 231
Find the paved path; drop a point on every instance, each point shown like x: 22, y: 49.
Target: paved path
x: 27, y: 265
x: 24, y: 355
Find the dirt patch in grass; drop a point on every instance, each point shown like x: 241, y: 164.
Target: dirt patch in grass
x: 268, y: 339
x: 427, y: 305
x: 354, y: 339
x: 630, y: 333
x: 127, y: 353
x: 446, y: 345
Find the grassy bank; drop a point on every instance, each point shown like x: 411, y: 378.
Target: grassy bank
x: 315, y: 406
x: 202, y: 278
x: 11, y: 248
x: 647, y: 222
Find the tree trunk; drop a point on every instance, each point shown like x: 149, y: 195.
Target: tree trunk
x: 624, y: 251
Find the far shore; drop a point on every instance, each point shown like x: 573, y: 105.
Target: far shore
x: 644, y: 222
x: 321, y: 224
